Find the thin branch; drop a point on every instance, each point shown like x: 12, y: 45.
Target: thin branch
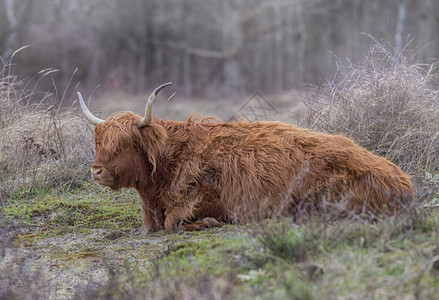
x: 193, y: 50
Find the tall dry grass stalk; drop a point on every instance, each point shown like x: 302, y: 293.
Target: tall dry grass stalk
x: 41, y: 144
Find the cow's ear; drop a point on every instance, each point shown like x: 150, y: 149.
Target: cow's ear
x: 153, y: 140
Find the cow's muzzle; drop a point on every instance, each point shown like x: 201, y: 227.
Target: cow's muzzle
x: 96, y: 173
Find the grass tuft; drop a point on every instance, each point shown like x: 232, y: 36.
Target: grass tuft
x: 290, y: 244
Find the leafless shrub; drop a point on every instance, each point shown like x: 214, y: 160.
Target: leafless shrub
x: 387, y: 104
x: 41, y: 145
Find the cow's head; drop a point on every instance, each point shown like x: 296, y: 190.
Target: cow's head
x: 127, y: 145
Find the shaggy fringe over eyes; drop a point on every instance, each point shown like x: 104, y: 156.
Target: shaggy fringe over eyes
x: 153, y: 140
x: 119, y: 133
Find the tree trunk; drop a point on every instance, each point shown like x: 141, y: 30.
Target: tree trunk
x: 301, y: 48
x: 289, y: 48
x: 186, y: 57
x: 232, y: 43
x: 402, y: 10
x: 11, y: 41
x: 278, y: 49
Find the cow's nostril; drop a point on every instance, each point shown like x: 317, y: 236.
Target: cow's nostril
x: 96, y: 171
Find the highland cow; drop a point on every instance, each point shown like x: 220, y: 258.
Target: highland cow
x: 198, y: 173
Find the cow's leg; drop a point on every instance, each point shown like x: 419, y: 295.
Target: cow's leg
x: 175, y: 218
x: 205, y: 223
x: 153, y: 218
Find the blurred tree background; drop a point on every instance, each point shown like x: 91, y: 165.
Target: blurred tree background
x: 207, y: 46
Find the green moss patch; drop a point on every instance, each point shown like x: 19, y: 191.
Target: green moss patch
x: 94, y: 232
x: 46, y: 215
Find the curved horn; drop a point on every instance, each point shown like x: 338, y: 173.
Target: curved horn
x: 94, y: 120
x: 148, y: 109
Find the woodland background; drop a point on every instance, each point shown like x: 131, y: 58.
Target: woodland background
x: 207, y: 47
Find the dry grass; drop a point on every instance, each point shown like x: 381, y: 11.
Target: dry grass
x: 41, y: 145
x: 387, y: 104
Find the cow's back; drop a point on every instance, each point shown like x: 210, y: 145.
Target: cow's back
x: 245, y: 171
x: 271, y: 169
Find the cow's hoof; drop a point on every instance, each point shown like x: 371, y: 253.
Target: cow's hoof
x: 211, y: 222
x: 205, y: 223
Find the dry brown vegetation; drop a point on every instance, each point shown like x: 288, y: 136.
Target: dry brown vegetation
x: 41, y: 144
x: 387, y: 104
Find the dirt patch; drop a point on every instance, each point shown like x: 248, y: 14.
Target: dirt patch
x: 71, y: 262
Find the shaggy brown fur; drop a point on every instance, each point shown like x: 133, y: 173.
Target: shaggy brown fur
x: 198, y: 172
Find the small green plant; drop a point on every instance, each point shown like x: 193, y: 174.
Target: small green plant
x: 285, y: 242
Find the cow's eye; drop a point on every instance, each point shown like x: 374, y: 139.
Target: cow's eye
x: 125, y: 150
